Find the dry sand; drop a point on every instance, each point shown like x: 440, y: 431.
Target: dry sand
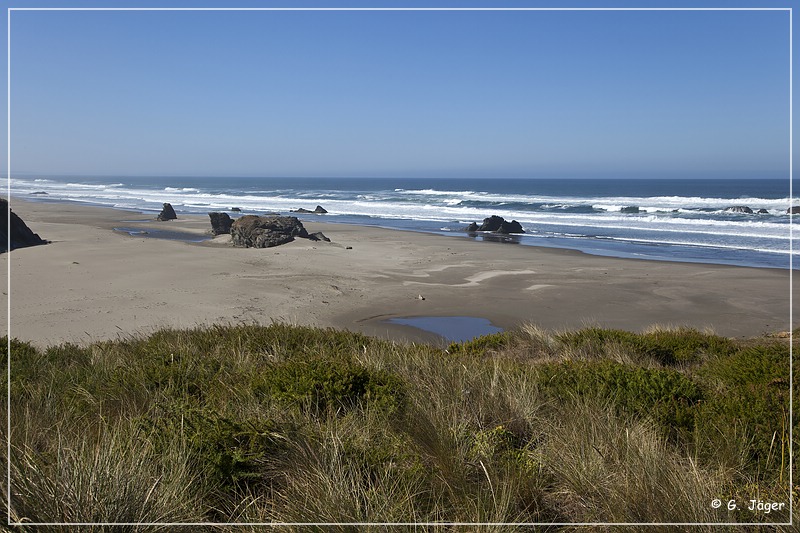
x: 95, y: 283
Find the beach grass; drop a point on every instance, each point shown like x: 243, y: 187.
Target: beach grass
x: 263, y: 424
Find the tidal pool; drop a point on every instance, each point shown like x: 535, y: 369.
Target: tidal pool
x: 451, y: 328
x: 163, y: 234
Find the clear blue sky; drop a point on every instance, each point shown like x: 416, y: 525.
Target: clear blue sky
x: 540, y: 94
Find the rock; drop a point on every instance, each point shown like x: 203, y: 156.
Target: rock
x: 497, y: 224
x: 319, y: 210
x: 236, y: 209
x: 38, y: 193
x: 318, y: 236
x: 795, y: 210
x: 492, y: 223
x: 763, y: 212
x: 167, y: 213
x: 633, y: 209
x: 739, y: 209
x: 472, y: 228
x: 21, y: 235
x: 510, y: 227
x: 220, y: 223
x: 420, y: 297
x: 251, y: 231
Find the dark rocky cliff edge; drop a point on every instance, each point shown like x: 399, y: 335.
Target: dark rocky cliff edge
x: 21, y: 235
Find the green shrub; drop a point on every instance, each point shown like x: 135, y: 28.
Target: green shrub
x: 482, y: 345
x: 667, y: 396
x: 748, y: 401
x: 227, y: 452
x: 668, y: 347
x: 595, y: 339
x: 20, y: 351
x: 322, y: 385
x: 26, y: 366
x: 683, y: 346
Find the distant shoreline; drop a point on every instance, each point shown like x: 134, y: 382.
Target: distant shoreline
x: 94, y: 283
x: 742, y: 223
x: 462, y: 235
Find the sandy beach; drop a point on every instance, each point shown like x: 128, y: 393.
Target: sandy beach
x: 92, y: 282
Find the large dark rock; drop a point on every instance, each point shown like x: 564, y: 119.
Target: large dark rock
x: 319, y: 210
x: 21, y: 235
x: 220, y: 223
x: 167, y: 213
x: 498, y: 224
x: 795, y: 210
x: 739, y: 209
x: 510, y: 227
x: 251, y: 231
x: 763, y: 212
x: 491, y: 224
x: 472, y: 228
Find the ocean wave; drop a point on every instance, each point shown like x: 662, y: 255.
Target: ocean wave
x: 181, y: 189
x: 660, y: 220
x: 612, y: 202
x: 784, y: 251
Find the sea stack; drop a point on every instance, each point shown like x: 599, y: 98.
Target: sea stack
x: 220, y: 223
x: 167, y: 213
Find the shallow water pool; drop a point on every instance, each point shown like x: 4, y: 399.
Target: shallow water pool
x: 451, y: 328
x: 163, y: 234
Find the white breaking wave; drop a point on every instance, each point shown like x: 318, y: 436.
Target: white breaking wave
x: 609, y: 203
x: 660, y: 220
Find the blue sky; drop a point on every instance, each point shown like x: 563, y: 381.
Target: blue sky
x: 506, y: 94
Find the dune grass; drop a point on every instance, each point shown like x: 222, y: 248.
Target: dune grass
x: 253, y: 424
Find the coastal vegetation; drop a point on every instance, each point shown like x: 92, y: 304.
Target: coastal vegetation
x: 257, y: 424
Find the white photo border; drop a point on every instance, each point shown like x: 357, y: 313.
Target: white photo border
x: 518, y: 524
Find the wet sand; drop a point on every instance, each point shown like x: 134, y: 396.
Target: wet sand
x: 93, y: 282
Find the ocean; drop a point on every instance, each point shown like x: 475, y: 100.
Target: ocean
x: 658, y: 219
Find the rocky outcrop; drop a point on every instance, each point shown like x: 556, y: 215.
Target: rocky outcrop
x: 236, y: 209
x: 795, y: 210
x: 510, y: 227
x: 167, y: 213
x: 319, y: 210
x: 21, y: 235
x: 497, y: 224
x: 318, y: 236
x: 251, y: 231
x: 739, y: 209
x: 492, y: 223
x: 220, y: 223
x: 763, y: 212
